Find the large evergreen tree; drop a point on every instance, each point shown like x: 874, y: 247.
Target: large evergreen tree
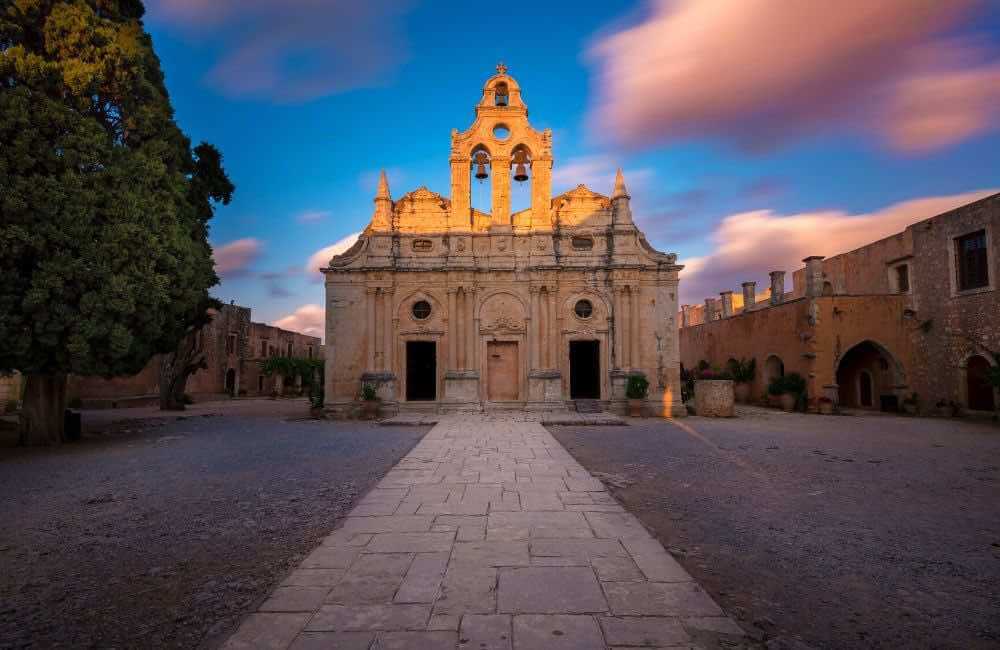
x: 104, y: 204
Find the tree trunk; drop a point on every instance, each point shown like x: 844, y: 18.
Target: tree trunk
x: 175, y: 368
x: 43, y: 415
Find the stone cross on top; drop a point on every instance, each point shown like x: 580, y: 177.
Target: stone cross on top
x: 501, y: 68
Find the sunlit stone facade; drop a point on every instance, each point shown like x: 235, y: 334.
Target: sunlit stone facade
x: 446, y: 307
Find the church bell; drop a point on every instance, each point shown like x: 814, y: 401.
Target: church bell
x: 481, y: 160
x: 521, y: 169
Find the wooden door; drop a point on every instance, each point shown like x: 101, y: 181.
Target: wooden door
x: 502, y: 371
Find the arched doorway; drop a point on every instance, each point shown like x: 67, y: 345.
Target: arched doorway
x: 980, y: 390
x: 231, y: 382
x: 773, y: 367
x: 868, y: 377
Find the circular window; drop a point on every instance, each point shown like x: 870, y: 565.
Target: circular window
x: 421, y: 309
x: 584, y: 309
x: 501, y: 132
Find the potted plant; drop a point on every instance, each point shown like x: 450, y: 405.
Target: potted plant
x: 825, y: 406
x: 369, y: 401
x: 911, y: 404
x: 743, y: 372
x: 789, y: 389
x: 636, y: 390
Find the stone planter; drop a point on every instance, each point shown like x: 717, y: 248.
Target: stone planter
x: 742, y: 392
x: 825, y: 407
x: 714, y: 398
x: 635, y: 408
x: 787, y: 401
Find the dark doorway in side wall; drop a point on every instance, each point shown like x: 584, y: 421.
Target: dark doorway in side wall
x: 585, y: 370
x: 421, y: 371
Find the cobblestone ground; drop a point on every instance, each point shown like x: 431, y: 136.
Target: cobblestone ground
x: 839, y: 532
x: 487, y: 536
x: 164, y: 532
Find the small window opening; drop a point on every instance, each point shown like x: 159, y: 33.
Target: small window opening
x: 973, y: 270
x: 903, y: 278
x: 582, y: 243
x: 422, y: 245
x: 584, y: 309
x: 421, y: 309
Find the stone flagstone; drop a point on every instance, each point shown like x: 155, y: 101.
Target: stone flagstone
x: 487, y: 535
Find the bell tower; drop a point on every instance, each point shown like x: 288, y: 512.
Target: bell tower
x: 501, y: 145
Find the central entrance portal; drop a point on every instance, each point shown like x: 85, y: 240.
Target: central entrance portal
x: 502, y: 371
x: 421, y: 371
x: 585, y: 370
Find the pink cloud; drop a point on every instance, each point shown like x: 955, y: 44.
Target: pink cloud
x: 750, y: 244
x: 313, y: 216
x: 292, y: 50
x: 758, y: 71
x: 322, y: 257
x: 235, y: 257
x: 307, y: 319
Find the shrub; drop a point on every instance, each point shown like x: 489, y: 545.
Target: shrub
x: 637, y: 387
x: 369, y: 392
x: 714, y: 373
x: 743, y: 371
x: 792, y: 384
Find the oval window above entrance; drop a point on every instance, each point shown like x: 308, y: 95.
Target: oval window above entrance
x: 584, y: 309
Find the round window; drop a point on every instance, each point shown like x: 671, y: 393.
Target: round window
x: 421, y: 309
x: 584, y: 309
x: 501, y: 132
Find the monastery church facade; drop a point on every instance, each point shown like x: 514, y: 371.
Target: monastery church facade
x: 445, y: 307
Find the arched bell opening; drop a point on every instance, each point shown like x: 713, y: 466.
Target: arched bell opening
x: 522, y: 179
x: 868, y: 376
x: 480, y: 191
x: 501, y: 95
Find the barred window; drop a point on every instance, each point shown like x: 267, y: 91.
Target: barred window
x: 973, y: 267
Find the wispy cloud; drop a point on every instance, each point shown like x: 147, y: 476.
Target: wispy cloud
x: 758, y: 72
x: 292, y: 50
x: 236, y: 257
x: 313, y: 216
x: 307, y: 319
x: 750, y: 244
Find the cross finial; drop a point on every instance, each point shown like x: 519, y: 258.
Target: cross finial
x: 501, y: 68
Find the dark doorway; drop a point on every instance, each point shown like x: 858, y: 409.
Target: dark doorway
x: 585, y: 370
x: 978, y: 385
x: 421, y: 371
x: 866, y: 389
x: 231, y: 382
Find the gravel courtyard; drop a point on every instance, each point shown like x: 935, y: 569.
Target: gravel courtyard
x: 835, y: 532
x: 163, y: 532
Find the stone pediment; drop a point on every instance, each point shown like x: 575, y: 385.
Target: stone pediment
x: 581, y: 191
x: 424, y: 194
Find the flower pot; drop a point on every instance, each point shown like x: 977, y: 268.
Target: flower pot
x: 774, y: 400
x: 317, y: 412
x: 635, y: 408
x: 825, y: 408
x: 787, y: 402
x: 369, y: 409
x: 742, y: 392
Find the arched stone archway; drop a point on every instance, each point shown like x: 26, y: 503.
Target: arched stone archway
x: 868, y: 377
x: 980, y: 393
x: 773, y: 367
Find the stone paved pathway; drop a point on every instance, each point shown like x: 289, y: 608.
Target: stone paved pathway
x: 487, y: 536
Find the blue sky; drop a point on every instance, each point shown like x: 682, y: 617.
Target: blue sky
x: 309, y: 99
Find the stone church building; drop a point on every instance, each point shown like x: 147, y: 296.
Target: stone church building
x: 446, y: 307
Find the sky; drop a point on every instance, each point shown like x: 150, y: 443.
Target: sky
x: 751, y: 134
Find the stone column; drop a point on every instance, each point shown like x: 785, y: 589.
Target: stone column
x: 777, y: 287
x: 554, y: 340
x: 460, y: 329
x: 814, y: 275
x: 452, y: 328
x: 470, y: 329
x: 370, y: 311
x: 387, y: 329
x: 709, y: 310
x: 501, y: 191
x: 535, y: 333
x: 619, y: 324
x: 749, y: 295
x: 685, y: 317
x: 634, y: 298
x: 727, y: 304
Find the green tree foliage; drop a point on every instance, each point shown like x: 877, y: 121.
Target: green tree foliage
x: 104, y: 204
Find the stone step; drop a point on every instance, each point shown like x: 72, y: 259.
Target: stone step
x: 588, y: 406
